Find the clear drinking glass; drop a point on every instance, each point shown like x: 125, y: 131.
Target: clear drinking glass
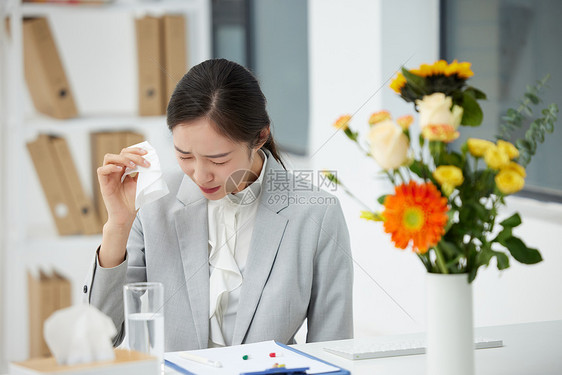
x: 144, y: 317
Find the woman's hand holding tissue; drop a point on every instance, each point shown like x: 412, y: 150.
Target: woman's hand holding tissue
x: 119, y: 199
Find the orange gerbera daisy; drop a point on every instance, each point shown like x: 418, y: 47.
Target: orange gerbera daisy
x: 415, y: 213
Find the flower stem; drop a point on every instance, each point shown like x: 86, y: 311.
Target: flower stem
x: 346, y: 190
x: 402, y: 176
x: 425, y: 261
x: 390, y: 177
x: 439, y: 259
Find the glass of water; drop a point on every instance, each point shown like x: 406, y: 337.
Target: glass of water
x: 144, y: 318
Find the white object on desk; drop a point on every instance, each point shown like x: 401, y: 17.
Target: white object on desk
x: 373, y: 348
x: 199, y: 359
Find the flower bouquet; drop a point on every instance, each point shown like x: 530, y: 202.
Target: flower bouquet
x: 445, y: 202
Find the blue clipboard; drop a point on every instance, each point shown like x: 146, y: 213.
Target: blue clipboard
x: 340, y: 372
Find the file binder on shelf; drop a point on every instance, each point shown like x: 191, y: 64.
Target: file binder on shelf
x: 86, y: 214
x: 150, y: 58
x: 107, y: 143
x: 175, y: 53
x: 72, y: 210
x: 46, y: 79
x: 47, y: 293
x: 56, y: 190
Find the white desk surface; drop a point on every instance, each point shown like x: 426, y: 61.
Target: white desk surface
x: 530, y: 348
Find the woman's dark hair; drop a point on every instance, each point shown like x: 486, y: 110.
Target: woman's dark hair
x: 227, y: 94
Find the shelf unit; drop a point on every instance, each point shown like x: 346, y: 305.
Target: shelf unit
x: 29, y: 235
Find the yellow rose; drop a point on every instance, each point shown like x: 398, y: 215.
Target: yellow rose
x: 509, y: 182
x: 379, y: 117
x: 437, y: 115
x: 342, y: 122
x: 477, y: 147
x: 448, y: 175
x: 389, y: 145
x: 509, y: 149
x: 513, y: 166
x: 496, y: 158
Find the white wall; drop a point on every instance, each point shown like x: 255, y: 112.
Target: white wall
x: 355, y: 47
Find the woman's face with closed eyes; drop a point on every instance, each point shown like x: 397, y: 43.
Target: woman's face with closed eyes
x: 210, y: 158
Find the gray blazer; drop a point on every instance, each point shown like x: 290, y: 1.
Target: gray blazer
x: 299, y: 265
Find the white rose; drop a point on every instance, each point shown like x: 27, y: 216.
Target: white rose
x: 435, y: 109
x: 389, y: 145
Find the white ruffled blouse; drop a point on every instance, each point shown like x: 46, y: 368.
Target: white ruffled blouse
x: 231, y: 222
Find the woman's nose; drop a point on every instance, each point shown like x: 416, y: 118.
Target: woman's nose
x: 202, y: 175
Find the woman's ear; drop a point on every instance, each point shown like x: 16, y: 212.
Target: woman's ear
x: 264, y: 136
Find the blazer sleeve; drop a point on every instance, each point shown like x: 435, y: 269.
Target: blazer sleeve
x: 330, y: 312
x: 104, y: 286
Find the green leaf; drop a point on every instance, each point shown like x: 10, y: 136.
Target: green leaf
x: 532, y: 97
x: 417, y: 82
x: 481, y: 212
x: 549, y: 126
x: 421, y: 140
x: 382, y: 198
x: 484, y: 256
x: 512, y: 221
x: 530, y: 141
x: 472, y: 265
x: 420, y: 169
x: 472, y: 274
x: 503, y: 235
x: 502, y: 260
x: 472, y: 113
x: 449, y: 248
x: 521, y: 252
x: 453, y: 158
x: 478, y: 94
x: 351, y: 134
x: 522, y: 144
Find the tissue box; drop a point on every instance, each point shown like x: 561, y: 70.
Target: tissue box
x: 126, y: 362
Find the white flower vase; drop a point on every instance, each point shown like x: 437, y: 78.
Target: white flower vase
x: 450, y: 341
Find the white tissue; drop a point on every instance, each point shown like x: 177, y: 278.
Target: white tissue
x: 80, y: 334
x: 150, y: 185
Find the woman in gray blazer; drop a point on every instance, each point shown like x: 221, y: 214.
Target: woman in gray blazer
x: 291, y: 255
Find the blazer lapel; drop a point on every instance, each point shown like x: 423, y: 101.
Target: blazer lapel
x: 267, y: 234
x: 193, y: 236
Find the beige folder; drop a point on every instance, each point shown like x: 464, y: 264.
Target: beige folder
x: 56, y: 190
x: 108, y: 143
x: 150, y: 66
x: 46, y: 79
x: 175, y: 52
x: 86, y: 214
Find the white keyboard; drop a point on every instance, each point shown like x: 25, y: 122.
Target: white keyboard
x: 373, y: 348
